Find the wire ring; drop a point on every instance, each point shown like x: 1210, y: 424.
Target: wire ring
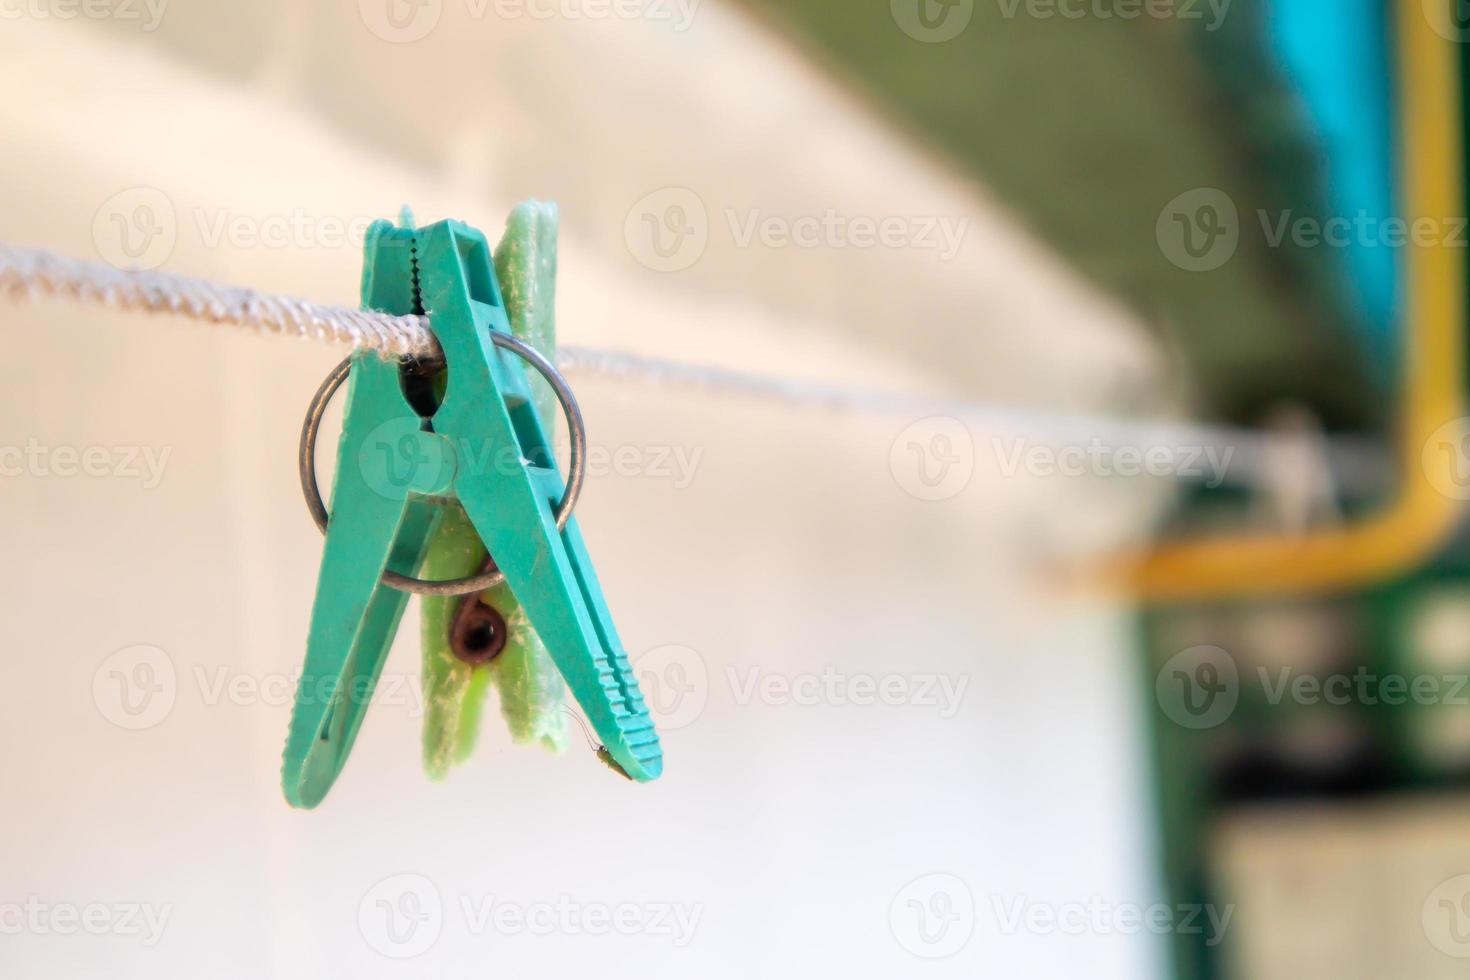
x: 576, y: 430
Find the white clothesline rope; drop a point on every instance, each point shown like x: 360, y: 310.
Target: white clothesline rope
x: 36, y: 274
x: 33, y: 273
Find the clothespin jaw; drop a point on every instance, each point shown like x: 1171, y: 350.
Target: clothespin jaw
x: 380, y: 519
x: 483, y: 443
x: 487, y: 404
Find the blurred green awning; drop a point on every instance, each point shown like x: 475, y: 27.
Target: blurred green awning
x: 1089, y: 128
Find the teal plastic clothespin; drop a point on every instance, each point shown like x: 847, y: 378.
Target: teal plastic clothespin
x: 397, y: 459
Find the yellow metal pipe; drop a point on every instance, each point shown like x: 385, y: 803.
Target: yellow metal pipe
x: 1406, y: 534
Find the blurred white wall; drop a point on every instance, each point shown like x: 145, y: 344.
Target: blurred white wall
x: 794, y: 545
